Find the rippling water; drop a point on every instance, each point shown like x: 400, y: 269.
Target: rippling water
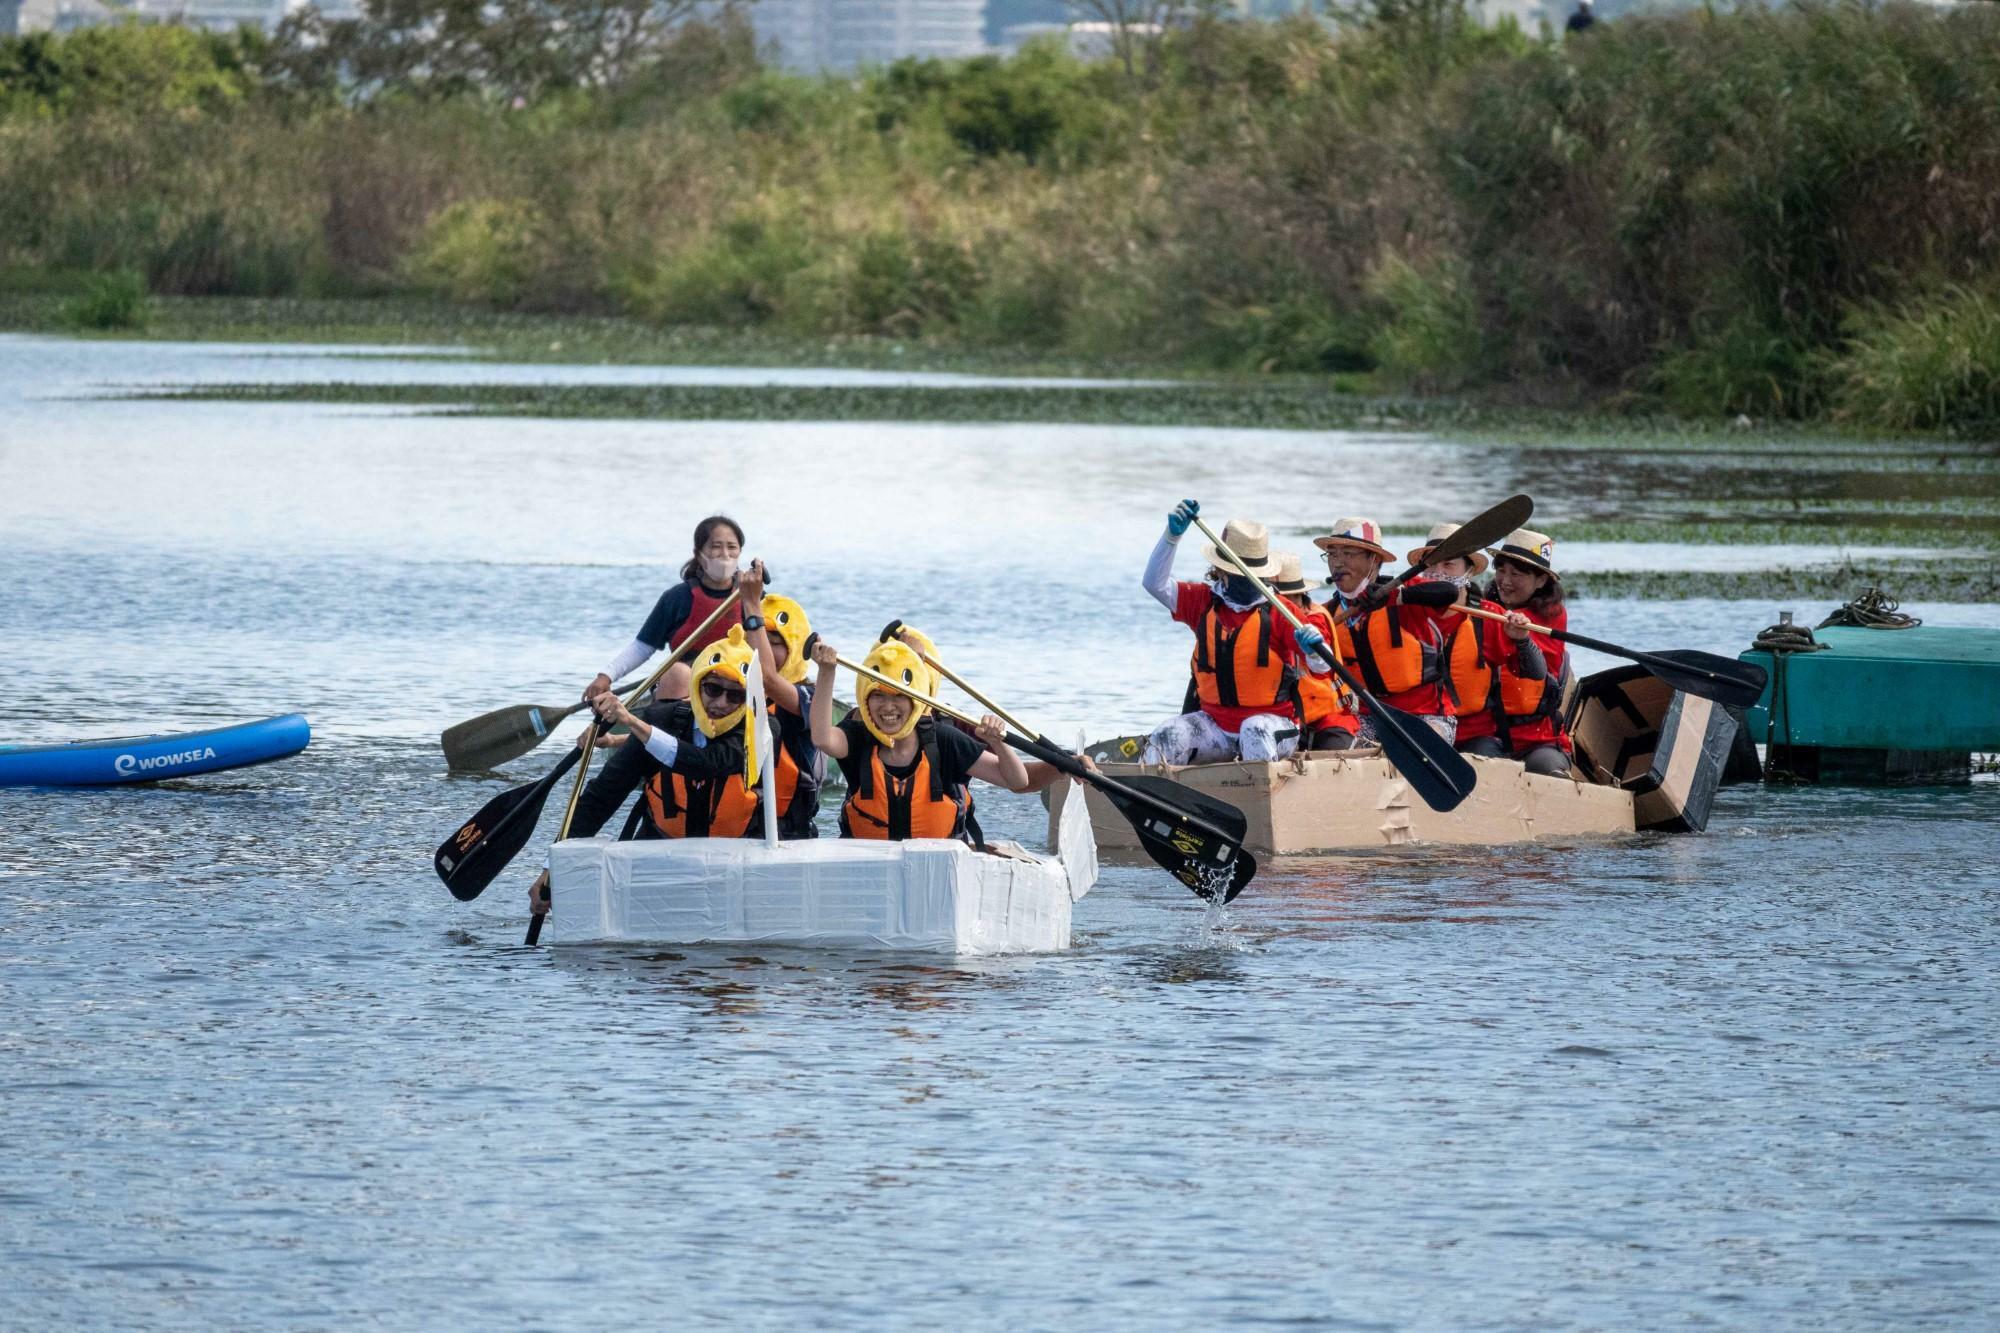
x: 259, y: 1068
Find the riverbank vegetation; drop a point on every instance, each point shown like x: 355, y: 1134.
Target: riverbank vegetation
x: 1788, y: 214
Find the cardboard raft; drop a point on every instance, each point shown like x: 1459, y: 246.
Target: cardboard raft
x: 925, y: 894
x: 1648, y: 759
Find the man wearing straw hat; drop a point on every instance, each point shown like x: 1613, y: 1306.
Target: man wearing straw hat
x: 1246, y: 659
x: 1395, y: 645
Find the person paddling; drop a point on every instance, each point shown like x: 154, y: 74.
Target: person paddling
x: 1518, y: 713
x: 688, y: 757
x: 1465, y: 663
x: 783, y: 638
x: 1246, y: 657
x: 1395, y: 641
x: 706, y: 579
x: 1326, y: 713
x: 906, y: 776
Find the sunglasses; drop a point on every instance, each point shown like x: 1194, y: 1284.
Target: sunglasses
x: 712, y: 689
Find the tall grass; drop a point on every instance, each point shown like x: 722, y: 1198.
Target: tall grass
x: 1710, y: 209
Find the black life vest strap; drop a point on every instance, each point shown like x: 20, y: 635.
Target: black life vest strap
x: 1364, y: 652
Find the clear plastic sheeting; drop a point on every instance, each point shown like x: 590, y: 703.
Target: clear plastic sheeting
x: 928, y: 894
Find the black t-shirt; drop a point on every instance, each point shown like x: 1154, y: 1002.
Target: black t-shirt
x: 957, y: 752
x: 669, y: 614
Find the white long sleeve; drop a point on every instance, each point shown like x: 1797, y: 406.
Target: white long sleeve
x: 1159, y: 576
x: 662, y: 747
x: 633, y: 654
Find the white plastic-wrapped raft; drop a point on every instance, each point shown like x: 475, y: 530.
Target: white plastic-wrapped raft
x: 927, y: 894
x: 1649, y: 759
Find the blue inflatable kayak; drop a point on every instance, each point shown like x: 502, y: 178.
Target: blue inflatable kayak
x: 151, y: 758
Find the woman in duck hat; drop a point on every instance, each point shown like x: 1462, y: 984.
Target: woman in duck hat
x: 1519, y: 712
x: 1326, y: 710
x: 1395, y: 643
x: 783, y: 636
x: 907, y: 777
x: 1242, y: 702
x: 691, y: 757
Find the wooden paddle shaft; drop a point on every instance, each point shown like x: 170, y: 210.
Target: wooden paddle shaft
x: 922, y: 698
x: 984, y: 702
x: 1484, y: 614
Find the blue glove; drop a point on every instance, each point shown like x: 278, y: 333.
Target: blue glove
x: 1311, y: 640
x: 1183, y: 515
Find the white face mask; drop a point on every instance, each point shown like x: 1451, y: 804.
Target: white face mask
x: 717, y: 571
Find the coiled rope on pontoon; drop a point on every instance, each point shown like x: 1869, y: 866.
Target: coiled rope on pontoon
x: 1871, y: 610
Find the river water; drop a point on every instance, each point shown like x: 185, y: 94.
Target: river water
x: 259, y: 1068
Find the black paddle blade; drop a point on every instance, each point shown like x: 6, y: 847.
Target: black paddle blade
x: 1435, y: 771
x: 1723, y: 679
x: 468, y: 860
x: 1487, y: 529
x: 1191, y: 854
x: 492, y: 739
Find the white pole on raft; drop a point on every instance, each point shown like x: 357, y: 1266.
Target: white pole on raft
x: 760, y: 723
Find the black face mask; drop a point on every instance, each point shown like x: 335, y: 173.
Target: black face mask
x: 1239, y: 589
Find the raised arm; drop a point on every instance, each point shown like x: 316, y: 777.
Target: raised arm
x: 1159, y: 577
x: 828, y: 739
x: 776, y: 688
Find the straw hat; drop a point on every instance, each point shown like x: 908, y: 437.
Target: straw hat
x: 1252, y: 544
x: 1536, y: 550
x: 1292, y: 576
x: 1364, y: 533
x: 1438, y: 534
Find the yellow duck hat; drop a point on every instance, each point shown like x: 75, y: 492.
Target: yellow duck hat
x: 925, y: 649
x: 731, y: 658
x: 787, y: 619
x: 900, y: 662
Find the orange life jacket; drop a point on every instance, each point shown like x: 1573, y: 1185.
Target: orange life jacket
x: 1389, y: 658
x: 1523, y: 713
x: 1323, y: 701
x: 1467, y: 668
x: 711, y: 809
x: 1240, y: 667
x: 887, y: 808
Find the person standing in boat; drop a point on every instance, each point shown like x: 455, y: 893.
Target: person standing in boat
x: 1518, y: 715
x: 1326, y: 711
x: 687, y: 758
x: 1247, y: 659
x: 1394, y: 641
x: 706, y: 579
x: 906, y: 776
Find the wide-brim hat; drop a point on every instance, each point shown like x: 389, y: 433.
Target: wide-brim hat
x: 1251, y: 543
x: 1439, y: 533
x: 1364, y: 533
x: 1292, y: 576
x: 1536, y: 550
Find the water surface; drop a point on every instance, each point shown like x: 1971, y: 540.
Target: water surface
x: 261, y: 1069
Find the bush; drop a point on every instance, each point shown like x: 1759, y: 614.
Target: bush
x: 108, y: 301
x: 485, y: 250
x: 1927, y: 365
x: 1744, y: 367
x: 136, y: 69
x: 737, y: 276
x: 1430, y: 337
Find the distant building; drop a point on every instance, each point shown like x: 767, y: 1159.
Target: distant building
x: 215, y: 15
x: 846, y: 34
x: 1086, y: 41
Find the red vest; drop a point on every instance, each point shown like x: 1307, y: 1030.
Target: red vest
x: 704, y: 605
